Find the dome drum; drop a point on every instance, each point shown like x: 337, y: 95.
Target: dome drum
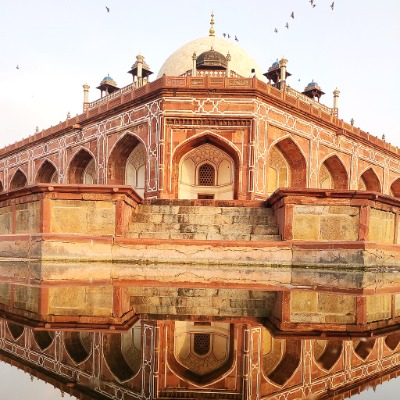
x: 211, y: 60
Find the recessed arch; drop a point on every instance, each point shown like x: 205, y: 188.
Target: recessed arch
x: 281, y: 357
x: 285, y: 158
x: 1, y: 186
x: 370, y: 181
x: 392, y: 340
x: 333, y: 174
x: 123, y: 353
x: 43, y: 339
x: 18, y: 181
x: 363, y: 348
x: 327, y: 353
x: 127, y: 163
x: 82, y: 168
x: 78, y: 345
x: 201, y: 352
x: 395, y: 188
x: 16, y: 330
x: 47, y: 173
x: 202, y: 149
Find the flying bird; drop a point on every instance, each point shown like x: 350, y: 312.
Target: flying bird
x: 229, y: 35
x: 292, y: 14
x: 236, y: 38
x: 314, y: 5
x: 17, y: 66
x: 333, y: 5
x: 276, y: 30
x: 312, y: 2
x: 224, y: 34
x: 108, y: 10
x: 287, y: 25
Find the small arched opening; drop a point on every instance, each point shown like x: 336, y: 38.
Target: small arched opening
x: 280, y: 359
x: 43, y: 339
x: 18, y: 181
x: 78, y: 345
x: 369, y: 181
x: 127, y: 164
x: 47, y: 173
x: 392, y: 340
x: 286, y: 166
x: 82, y: 169
x: 123, y: 353
x: 327, y: 353
x: 395, y: 188
x: 333, y: 174
x: 16, y: 330
x: 363, y: 348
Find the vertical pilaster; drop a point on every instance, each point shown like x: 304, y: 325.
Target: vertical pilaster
x: 254, y: 363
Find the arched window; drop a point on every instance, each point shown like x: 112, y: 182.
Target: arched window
x: 201, y: 343
x: 206, y: 175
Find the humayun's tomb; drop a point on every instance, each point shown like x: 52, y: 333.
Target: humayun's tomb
x: 210, y: 233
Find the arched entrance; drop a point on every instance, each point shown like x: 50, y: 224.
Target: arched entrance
x: 369, y: 181
x: 82, y: 169
x: 286, y: 166
x: 127, y: 164
x: 18, y: 181
x: 206, y: 172
x: 333, y: 174
x: 47, y: 173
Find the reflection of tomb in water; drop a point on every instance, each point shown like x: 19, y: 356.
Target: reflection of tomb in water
x: 165, y: 342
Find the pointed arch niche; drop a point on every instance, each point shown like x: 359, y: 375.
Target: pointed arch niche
x: 123, y: 353
x: 82, y: 169
x: 47, y: 173
x: 202, y: 351
x: 395, y: 188
x: 333, y: 174
x: 286, y: 166
x: 127, y: 164
x: 280, y: 357
x: 369, y: 181
x: 78, y: 345
x: 206, y: 172
x: 18, y: 181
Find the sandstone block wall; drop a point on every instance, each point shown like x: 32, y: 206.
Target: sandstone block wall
x: 81, y: 301
x: 313, y: 307
x: 381, y: 226
x: 82, y: 216
x: 317, y: 222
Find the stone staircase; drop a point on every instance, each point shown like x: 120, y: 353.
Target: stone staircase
x: 210, y: 302
x: 204, y: 220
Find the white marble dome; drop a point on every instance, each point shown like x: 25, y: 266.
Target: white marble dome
x: 181, y: 60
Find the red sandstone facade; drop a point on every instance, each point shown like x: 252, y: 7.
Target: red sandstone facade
x: 258, y: 126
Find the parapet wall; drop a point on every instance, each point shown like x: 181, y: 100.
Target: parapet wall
x: 67, y: 209
x: 336, y: 215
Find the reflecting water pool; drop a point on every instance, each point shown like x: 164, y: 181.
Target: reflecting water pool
x: 309, y: 339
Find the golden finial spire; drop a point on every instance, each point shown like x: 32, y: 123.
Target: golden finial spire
x: 212, y: 31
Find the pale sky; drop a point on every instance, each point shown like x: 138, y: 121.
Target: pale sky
x: 59, y: 45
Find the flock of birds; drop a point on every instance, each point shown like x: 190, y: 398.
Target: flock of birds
x: 313, y: 5
x: 227, y: 35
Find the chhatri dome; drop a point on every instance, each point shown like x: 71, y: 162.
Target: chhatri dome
x: 181, y: 61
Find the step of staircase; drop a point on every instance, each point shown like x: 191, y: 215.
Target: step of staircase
x: 201, y: 301
x: 204, y: 220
